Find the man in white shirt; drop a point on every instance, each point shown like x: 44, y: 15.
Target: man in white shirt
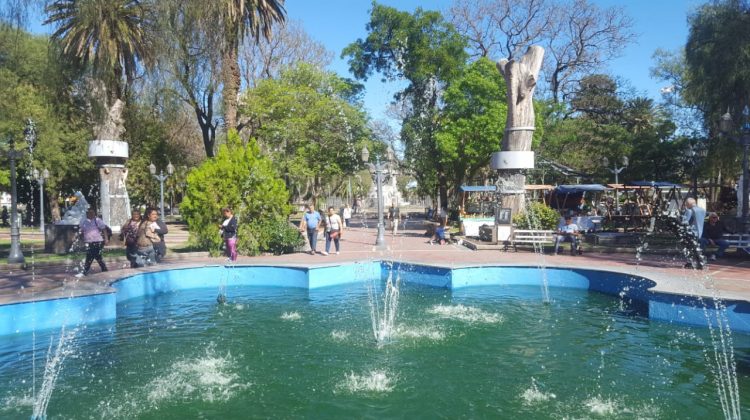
x: 567, y: 232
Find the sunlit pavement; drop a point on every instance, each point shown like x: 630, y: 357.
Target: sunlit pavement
x: 728, y: 278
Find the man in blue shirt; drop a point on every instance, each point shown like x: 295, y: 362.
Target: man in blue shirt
x: 694, y: 216
x: 567, y: 232
x: 310, y: 221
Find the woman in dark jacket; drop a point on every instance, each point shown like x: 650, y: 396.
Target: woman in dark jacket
x: 229, y: 233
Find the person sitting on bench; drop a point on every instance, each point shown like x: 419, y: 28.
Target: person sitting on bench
x: 567, y: 232
x: 713, y: 232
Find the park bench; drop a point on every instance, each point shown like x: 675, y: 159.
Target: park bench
x: 533, y: 237
x: 740, y: 242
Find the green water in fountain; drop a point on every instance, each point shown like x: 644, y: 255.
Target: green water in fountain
x: 484, y: 352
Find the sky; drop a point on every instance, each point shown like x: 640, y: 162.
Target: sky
x: 337, y: 23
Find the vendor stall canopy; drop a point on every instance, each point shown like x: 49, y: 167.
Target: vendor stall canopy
x: 574, y: 189
x: 478, y: 188
x: 656, y: 184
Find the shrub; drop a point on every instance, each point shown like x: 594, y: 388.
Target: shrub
x: 537, y: 216
x: 274, y: 235
x: 240, y: 178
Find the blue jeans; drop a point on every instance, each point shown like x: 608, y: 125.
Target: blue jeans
x: 573, y: 239
x: 329, y: 239
x: 312, y: 236
x: 721, y: 243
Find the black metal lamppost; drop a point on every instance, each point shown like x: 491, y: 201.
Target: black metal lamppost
x: 161, y: 178
x: 377, y: 171
x: 726, y: 126
x: 694, y: 155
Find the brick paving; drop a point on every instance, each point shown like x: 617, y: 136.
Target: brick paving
x: 728, y: 278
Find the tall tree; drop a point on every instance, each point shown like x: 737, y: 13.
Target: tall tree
x: 310, y: 125
x: 427, y: 51
x: 471, y: 122
x: 578, y: 36
x: 111, y: 37
x: 718, y: 58
x: 288, y: 45
x: 189, y: 64
x: 239, y: 18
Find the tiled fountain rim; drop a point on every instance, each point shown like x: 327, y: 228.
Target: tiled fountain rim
x: 665, y: 282
x: 666, y: 296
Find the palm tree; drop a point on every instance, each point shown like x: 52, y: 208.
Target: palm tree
x: 239, y: 18
x: 111, y: 37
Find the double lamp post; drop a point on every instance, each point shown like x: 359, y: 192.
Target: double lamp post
x: 377, y: 171
x: 161, y: 178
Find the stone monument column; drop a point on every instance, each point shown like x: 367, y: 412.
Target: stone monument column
x: 516, y: 156
x: 114, y: 205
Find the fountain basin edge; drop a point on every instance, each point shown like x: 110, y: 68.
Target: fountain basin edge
x: 99, y: 306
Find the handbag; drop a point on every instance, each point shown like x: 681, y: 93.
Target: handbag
x: 335, y: 234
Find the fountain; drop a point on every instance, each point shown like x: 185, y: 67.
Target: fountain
x: 61, y: 236
x: 470, y: 339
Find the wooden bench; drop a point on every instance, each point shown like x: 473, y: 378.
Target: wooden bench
x: 530, y: 237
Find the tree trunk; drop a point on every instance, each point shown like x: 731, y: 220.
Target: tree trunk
x: 231, y: 79
x: 520, y: 79
x: 55, y: 210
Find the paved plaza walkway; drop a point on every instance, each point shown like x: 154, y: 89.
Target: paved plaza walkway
x: 728, y: 278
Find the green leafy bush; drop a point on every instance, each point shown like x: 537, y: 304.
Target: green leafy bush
x: 537, y: 216
x: 241, y: 178
x: 275, y: 235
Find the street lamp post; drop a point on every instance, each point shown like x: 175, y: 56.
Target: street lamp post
x: 695, y: 152
x: 16, y: 255
x: 725, y: 126
x: 615, y: 170
x: 40, y: 177
x: 161, y: 178
x: 377, y: 170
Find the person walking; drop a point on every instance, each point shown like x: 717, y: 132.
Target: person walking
x: 692, y: 220
x: 229, y: 233
x: 94, y: 231
x: 694, y: 216
x: 394, y: 217
x: 347, y: 214
x: 129, y: 235
x: 310, y: 223
x: 334, y: 229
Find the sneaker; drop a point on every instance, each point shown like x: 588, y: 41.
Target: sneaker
x: 79, y: 275
x: 337, y: 253
x: 324, y: 253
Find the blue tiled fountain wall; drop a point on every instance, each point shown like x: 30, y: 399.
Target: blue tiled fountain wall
x: 30, y: 316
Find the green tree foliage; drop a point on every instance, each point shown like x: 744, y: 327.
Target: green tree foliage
x: 427, y: 51
x: 112, y: 36
x: 241, y: 178
x: 310, y: 125
x: 718, y: 58
x: 34, y: 84
x: 603, y: 121
x: 238, y: 18
x: 472, y: 122
x: 537, y: 216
